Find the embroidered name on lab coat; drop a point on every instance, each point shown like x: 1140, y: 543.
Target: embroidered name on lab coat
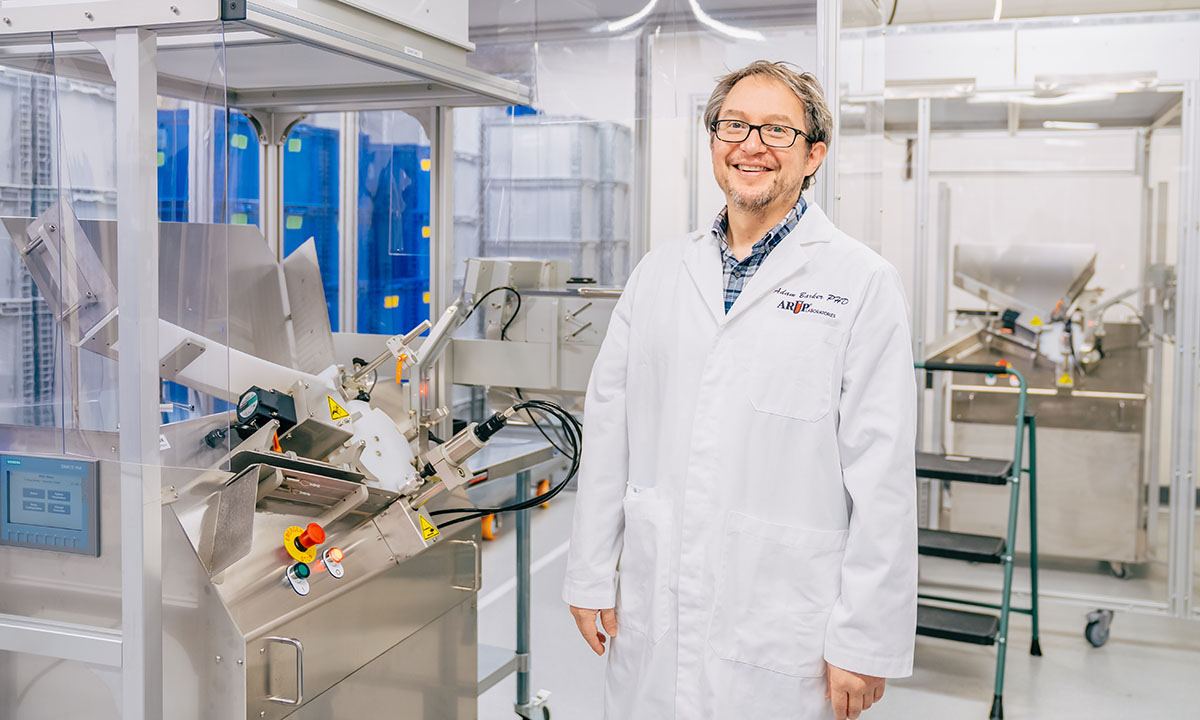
x: 803, y: 302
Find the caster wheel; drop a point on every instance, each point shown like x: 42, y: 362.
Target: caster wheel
x: 1098, y: 623
x: 543, y: 487
x: 1119, y: 570
x: 489, y: 524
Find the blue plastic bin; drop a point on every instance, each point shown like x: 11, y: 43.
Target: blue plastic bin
x: 310, y: 166
x: 242, y: 143
x: 172, y: 165
x: 394, y: 307
x: 300, y: 222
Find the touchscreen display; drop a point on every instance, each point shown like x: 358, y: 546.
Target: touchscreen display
x: 45, y: 500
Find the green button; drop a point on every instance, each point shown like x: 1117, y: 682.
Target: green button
x: 294, y: 145
x: 294, y: 222
x: 301, y: 570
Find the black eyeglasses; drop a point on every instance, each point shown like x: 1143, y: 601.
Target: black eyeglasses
x: 771, y: 135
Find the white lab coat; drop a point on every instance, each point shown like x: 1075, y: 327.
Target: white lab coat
x: 753, y: 474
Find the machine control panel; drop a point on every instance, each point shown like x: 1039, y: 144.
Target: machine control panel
x: 50, y: 503
x: 301, y: 544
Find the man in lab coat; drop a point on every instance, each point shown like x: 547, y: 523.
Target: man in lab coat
x: 745, y: 528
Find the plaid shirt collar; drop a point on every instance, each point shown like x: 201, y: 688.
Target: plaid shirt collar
x: 738, y: 273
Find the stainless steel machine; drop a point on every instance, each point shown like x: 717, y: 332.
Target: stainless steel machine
x: 303, y: 573
x: 1088, y: 386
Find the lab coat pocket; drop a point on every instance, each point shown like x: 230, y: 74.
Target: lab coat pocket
x: 776, y: 588
x: 793, y: 375
x: 643, y: 604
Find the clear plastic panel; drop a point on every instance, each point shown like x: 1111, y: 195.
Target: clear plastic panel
x: 394, y: 190
x: 60, y: 249
x: 561, y: 179
x: 312, y: 198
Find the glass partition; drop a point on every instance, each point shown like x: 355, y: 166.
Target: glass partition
x: 394, y: 188
x: 63, y: 264
x: 311, y: 197
x: 1036, y: 216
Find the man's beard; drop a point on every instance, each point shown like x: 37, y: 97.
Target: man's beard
x: 752, y: 203
x: 759, y: 202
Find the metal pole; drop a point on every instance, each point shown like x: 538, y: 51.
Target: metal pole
x: 640, y: 242
x: 1187, y: 366
x: 200, y: 161
x: 348, y: 225
x: 270, y: 216
x: 1035, y: 647
x: 921, y: 250
x: 1014, y: 505
x: 829, y: 30
x: 1157, y: 376
x: 524, y: 591
x: 941, y: 310
x: 135, y: 55
x: 441, y: 254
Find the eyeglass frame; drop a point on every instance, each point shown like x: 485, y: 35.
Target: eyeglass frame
x: 799, y: 133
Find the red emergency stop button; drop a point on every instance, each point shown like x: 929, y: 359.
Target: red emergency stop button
x: 314, y: 534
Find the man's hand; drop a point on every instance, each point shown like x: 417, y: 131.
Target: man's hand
x: 586, y: 620
x: 850, y: 692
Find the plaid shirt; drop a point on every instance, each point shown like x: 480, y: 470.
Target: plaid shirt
x: 737, y: 274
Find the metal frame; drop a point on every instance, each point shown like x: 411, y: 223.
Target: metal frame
x: 643, y: 117
x: 348, y: 224
x: 129, y: 45
x: 921, y: 246
x: 134, y: 61
x: 829, y: 31
x: 1185, y: 441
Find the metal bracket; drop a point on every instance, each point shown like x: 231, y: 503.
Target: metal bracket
x: 529, y: 710
x: 233, y: 9
x: 184, y: 354
x: 272, y: 127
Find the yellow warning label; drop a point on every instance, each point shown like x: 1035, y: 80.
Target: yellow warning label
x: 428, y: 531
x: 336, y: 412
x: 1035, y: 322
x: 1065, y: 380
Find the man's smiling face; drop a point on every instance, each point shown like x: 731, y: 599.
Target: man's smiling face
x: 754, y: 176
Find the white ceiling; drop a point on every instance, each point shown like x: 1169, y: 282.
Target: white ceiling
x: 927, y: 11
x: 512, y: 13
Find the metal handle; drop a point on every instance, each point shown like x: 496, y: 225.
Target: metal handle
x: 299, y: 671
x: 475, y: 581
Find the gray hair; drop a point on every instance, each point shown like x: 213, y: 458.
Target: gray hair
x: 806, y: 86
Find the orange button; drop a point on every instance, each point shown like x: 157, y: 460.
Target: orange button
x: 335, y: 554
x: 314, y: 534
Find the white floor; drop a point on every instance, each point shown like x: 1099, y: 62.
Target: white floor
x: 1146, y: 669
